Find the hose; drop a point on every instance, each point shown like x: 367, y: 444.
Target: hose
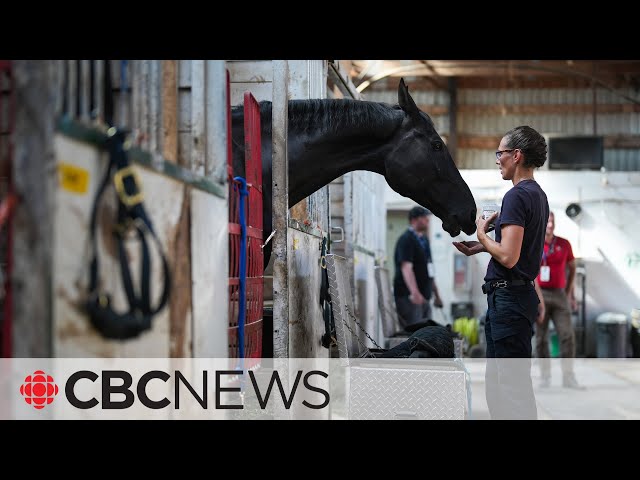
x: 242, y: 280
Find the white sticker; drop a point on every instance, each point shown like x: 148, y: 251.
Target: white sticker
x: 545, y: 273
x: 430, y: 270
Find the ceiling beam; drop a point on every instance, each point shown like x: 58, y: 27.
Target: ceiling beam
x: 447, y: 68
x: 489, y: 83
x: 491, y: 142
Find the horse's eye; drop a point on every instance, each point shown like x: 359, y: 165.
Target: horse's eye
x: 437, y: 146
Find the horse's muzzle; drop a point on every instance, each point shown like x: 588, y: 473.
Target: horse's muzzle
x: 468, y: 221
x: 455, y: 223
x: 452, y: 228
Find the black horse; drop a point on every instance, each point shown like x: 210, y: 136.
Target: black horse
x: 328, y: 138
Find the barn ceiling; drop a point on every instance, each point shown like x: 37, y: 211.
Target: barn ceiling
x: 552, y: 73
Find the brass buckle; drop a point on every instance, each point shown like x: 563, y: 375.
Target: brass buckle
x: 103, y: 300
x: 118, y: 181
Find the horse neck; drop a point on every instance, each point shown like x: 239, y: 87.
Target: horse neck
x: 328, y: 138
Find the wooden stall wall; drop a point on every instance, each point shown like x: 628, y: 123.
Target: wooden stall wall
x: 175, y: 111
x: 309, y: 219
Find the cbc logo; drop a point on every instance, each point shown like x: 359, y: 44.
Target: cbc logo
x: 39, y: 389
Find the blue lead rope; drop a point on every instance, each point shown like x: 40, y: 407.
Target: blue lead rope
x: 242, y: 303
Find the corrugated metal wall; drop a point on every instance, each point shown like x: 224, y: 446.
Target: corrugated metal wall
x: 424, y: 99
x: 478, y: 123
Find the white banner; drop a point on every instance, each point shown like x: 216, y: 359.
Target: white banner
x: 336, y: 389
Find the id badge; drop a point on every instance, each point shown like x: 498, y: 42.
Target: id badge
x: 545, y: 273
x: 430, y: 270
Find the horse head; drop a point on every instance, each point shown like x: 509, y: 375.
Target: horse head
x: 420, y: 167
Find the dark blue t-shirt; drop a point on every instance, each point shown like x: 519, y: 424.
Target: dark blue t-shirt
x: 410, y: 248
x: 525, y: 205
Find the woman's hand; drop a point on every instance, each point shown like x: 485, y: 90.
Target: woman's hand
x: 417, y: 299
x: 541, y: 312
x: 469, y: 247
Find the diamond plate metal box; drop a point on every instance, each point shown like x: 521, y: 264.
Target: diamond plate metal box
x: 407, y: 389
x: 394, y: 388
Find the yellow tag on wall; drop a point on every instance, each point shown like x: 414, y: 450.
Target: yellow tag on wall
x: 74, y: 179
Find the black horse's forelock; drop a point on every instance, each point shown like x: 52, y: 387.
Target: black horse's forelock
x: 338, y: 116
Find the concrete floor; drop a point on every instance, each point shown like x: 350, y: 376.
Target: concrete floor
x: 612, y: 391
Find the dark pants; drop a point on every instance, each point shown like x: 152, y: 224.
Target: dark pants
x: 409, y: 313
x: 508, y: 329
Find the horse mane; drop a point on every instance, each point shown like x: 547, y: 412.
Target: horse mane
x: 339, y: 117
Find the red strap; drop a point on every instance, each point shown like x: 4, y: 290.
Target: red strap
x: 6, y: 208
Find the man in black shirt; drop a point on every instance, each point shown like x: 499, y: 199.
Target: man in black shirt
x: 414, y: 282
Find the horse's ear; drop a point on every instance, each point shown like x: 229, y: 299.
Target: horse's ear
x: 406, y: 102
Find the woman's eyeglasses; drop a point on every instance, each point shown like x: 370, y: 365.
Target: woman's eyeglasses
x: 500, y: 152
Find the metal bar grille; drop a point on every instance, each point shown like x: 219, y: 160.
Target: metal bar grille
x: 255, y: 265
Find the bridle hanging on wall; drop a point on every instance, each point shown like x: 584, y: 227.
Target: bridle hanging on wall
x: 131, y: 217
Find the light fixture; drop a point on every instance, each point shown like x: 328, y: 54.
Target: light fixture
x: 573, y: 211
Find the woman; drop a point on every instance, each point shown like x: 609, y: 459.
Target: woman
x: 515, y: 253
